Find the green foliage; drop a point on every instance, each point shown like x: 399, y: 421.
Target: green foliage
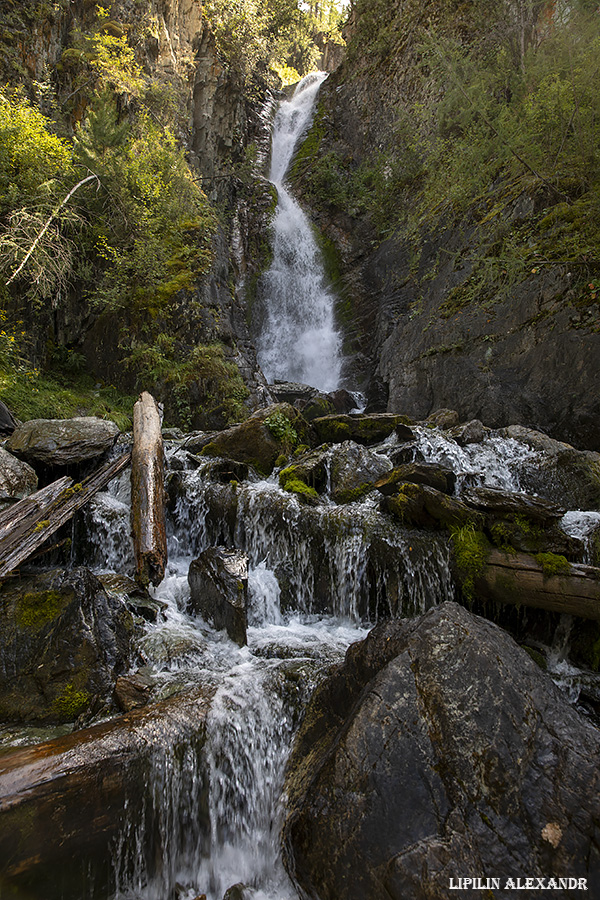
x: 176, y: 377
x: 471, y: 549
x: 282, y: 429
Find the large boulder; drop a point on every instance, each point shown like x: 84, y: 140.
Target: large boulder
x: 62, y: 442
x: 439, y: 749
x: 63, y: 642
x: 261, y: 439
x: 218, y: 582
x: 17, y: 478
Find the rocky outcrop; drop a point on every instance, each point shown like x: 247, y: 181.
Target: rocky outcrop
x: 64, y: 642
x: 62, y: 442
x: 364, y: 429
x: 353, y: 470
x: 218, y: 581
x: 439, y: 748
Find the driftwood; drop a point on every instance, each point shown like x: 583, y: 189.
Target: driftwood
x: 27, y: 525
x: 148, y: 493
x: 518, y: 579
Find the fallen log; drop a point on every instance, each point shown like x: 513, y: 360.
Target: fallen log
x: 27, y: 525
x: 69, y: 804
x: 148, y: 493
x: 523, y: 580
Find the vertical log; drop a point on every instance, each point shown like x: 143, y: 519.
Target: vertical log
x: 147, y: 493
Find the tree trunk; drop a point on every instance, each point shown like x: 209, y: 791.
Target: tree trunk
x: 518, y: 579
x: 147, y: 493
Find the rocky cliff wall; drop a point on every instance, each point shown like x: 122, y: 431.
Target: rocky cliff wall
x: 216, y: 120
x: 427, y: 330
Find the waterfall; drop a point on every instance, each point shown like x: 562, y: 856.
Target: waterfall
x: 298, y: 340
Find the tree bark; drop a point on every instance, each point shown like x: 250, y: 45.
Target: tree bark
x: 518, y: 579
x: 147, y: 493
x: 27, y: 525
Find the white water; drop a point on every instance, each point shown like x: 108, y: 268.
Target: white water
x: 298, y: 339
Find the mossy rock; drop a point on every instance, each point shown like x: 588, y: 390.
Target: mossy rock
x: 363, y: 429
x: 354, y: 471
x: 261, y: 439
x: 63, y: 641
x: 436, y: 476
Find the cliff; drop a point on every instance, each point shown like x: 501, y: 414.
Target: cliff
x: 452, y: 171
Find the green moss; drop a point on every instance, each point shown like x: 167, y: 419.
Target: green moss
x: 471, y: 550
x: 36, y: 609
x: 70, y: 703
x: 295, y: 486
x: 353, y: 494
x: 280, y: 461
x: 553, y: 563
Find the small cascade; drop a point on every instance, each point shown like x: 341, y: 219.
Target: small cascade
x: 298, y: 340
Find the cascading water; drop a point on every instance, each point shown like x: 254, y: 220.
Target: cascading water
x: 298, y: 340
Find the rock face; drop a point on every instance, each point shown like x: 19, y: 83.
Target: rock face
x: 62, y: 442
x: 218, y: 582
x: 354, y: 469
x: 439, y: 748
x: 63, y: 643
x: 17, y: 478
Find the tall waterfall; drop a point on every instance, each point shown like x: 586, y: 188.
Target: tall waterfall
x: 298, y: 340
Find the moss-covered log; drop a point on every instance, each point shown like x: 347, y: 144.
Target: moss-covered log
x: 546, y: 581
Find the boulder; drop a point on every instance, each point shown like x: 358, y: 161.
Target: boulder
x: 559, y: 472
x: 17, y: 478
x: 361, y: 428
x: 261, y: 439
x: 218, y: 581
x: 443, y: 418
x: 439, y: 749
x: 63, y: 642
x: 312, y: 469
x: 354, y: 469
x: 62, y: 442
x: 436, y: 476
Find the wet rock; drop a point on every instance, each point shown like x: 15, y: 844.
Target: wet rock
x: 310, y: 468
x: 471, y: 432
x: 292, y: 391
x: 406, y: 453
x: 63, y: 642
x: 133, y: 691
x: 436, y: 476
x: 354, y: 469
x: 318, y: 406
x: 17, y: 478
x: 238, y: 892
x: 438, y: 748
x: 134, y: 596
x: 218, y: 581
x: 418, y: 504
x: 363, y: 429
x: 62, y: 442
x: 512, y: 503
x: 261, y: 439
x: 560, y: 473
